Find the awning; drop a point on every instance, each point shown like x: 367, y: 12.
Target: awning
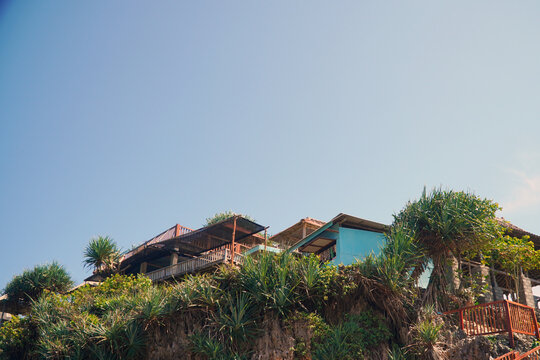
x: 213, y: 236
x: 195, y: 242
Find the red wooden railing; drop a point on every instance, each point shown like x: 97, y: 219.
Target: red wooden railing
x: 534, y: 354
x: 510, y: 356
x: 497, y: 317
x: 238, y: 248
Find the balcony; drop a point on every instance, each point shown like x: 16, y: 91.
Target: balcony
x: 199, y: 264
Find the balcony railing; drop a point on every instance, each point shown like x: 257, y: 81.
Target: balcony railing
x: 200, y: 263
x: 498, y: 317
x: 534, y: 354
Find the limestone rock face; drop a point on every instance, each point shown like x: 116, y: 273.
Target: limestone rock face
x: 170, y: 341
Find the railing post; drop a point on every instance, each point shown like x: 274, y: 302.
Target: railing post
x: 509, y: 323
x: 535, y: 324
x: 461, y: 320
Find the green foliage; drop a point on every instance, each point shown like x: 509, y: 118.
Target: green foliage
x: 224, y: 216
x: 315, y: 323
x: 397, y: 353
x: 16, y: 337
x: 112, y: 320
x: 196, y: 291
x: 210, y: 348
x: 352, y: 339
x: 103, y: 322
x: 206, y: 345
x: 236, y: 319
x: 514, y: 255
x: 282, y: 282
x: 28, y: 286
x: 426, y: 334
x: 446, y: 223
x: 102, y: 254
x: 394, y: 266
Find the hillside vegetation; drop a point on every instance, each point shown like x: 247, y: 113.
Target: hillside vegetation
x: 283, y: 306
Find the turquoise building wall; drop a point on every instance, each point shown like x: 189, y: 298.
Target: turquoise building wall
x: 356, y: 244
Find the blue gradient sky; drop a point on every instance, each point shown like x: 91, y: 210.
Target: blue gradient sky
x: 123, y: 118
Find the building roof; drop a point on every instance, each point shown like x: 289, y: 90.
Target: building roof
x: 516, y: 231
x: 84, y: 283
x: 195, y: 242
x: 4, y: 316
x: 325, y: 236
x: 297, y: 231
x: 168, y: 234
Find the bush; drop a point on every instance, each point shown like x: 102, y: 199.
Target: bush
x: 352, y: 338
x: 16, y: 337
x: 28, y: 286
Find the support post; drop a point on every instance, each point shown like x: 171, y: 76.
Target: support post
x: 143, y: 267
x: 509, y: 323
x: 536, y: 333
x: 525, y: 291
x: 3, y: 312
x: 174, y: 258
x: 233, y: 239
x: 484, y: 278
x: 265, y: 239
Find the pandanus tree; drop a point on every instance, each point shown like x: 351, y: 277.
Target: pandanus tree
x: 446, y: 224
x: 27, y: 287
x: 103, y: 255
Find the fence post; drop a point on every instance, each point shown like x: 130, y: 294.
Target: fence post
x: 535, y: 324
x: 509, y: 323
x: 461, y: 320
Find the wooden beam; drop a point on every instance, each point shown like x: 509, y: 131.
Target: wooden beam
x: 233, y: 238
x: 325, y: 248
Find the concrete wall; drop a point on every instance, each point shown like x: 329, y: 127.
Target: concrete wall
x: 356, y: 244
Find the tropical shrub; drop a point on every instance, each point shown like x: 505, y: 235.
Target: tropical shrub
x: 352, y: 339
x: 514, y: 255
x: 426, y: 334
x: 224, y: 216
x: 445, y: 224
x: 16, y: 337
x: 28, y: 286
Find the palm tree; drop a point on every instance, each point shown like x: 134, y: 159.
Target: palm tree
x: 445, y: 224
x: 102, y: 254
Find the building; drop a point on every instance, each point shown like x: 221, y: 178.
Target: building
x: 343, y: 239
x: 500, y: 284
x: 179, y: 250
x: 294, y: 233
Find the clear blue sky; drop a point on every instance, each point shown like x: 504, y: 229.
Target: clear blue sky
x: 122, y: 118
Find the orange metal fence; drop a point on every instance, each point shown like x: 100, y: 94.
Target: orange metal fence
x: 497, y: 317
